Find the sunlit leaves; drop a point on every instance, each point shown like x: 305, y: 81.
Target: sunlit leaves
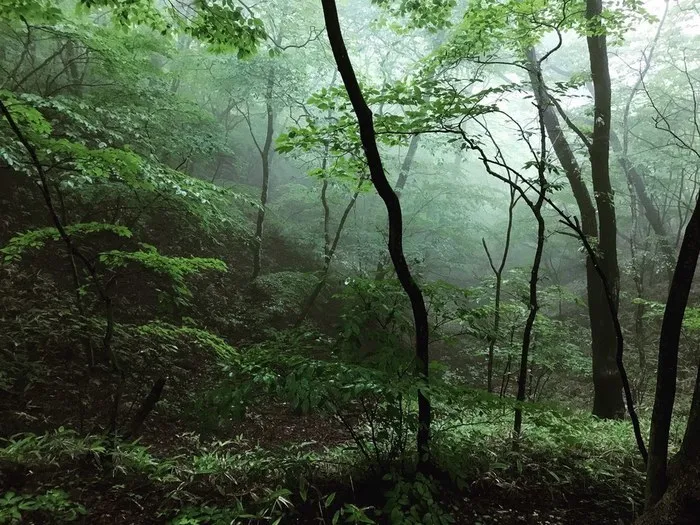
x: 36, y: 239
x: 175, y: 268
x: 162, y: 333
x: 133, y: 13
x: 24, y: 115
x: 490, y: 27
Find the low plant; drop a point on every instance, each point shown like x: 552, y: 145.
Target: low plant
x: 54, y: 504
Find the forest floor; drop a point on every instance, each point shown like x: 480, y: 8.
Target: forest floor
x: 133, y: 488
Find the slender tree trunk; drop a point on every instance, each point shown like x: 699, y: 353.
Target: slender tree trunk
x: 393, y: 207
x: 494, y: 336
x: 532, y: 314
x: 329, y: 252
x: 326, y: 220
x: 603, y: 343
x: 667, y: 367
x: 498, y: 273
x: 265, y: 152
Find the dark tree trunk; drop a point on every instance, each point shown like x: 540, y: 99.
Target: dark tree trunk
x: 607, y: 387
x: 532, y: 315
x: 607, y: 401
x: 667, y: 369
x: 393, y: 207
x: 326, y: 219
x: 400, y: 185
x: 264, y: 190
x: 146, y: 407
x: 680, y: 502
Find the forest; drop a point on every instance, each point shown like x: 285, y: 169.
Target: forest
x: 349, y: 261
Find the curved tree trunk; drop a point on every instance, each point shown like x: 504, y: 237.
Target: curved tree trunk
x: 673, y: 489
x: 667, y: 368
x: 393, y: 207
x: 400, y: 185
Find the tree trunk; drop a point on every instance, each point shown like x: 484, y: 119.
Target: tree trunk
x: 265, y: 158
x: 651, y: 212
x: 680, y: 503
x: 532, y: 315
x: 607, y: 401
x: 498, y: 274
x: 329, y: 252
x: 667, y: 369
x: 393, y: 207
x: 146, y: 407
x: 400, y: 185
x: 406, y: 165
x: 607, y: 387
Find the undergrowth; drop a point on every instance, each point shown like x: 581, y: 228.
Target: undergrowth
x: 235, y: 481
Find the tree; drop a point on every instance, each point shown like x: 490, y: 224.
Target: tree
x: 671, y: 490
x: 671, y: 494
x: 498, y: 274
x: 393, y: 207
